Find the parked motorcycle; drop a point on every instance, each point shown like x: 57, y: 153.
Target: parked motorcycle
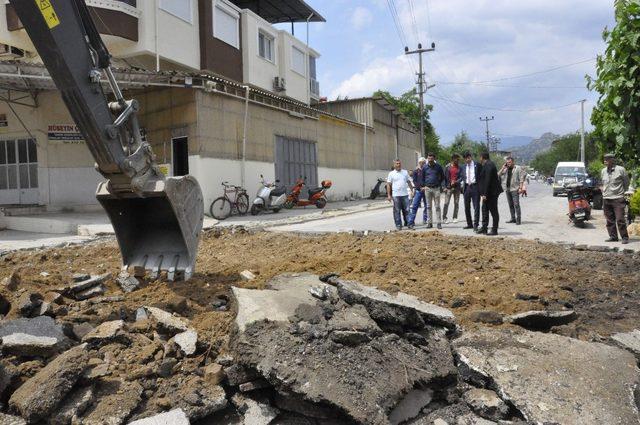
x: 269, y: 197
x: 317, y: 196
x: 579, y: 206
x: 379, y: 189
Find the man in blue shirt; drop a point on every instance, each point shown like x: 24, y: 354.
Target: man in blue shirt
x: 433, y: 182
x: 419, y: 197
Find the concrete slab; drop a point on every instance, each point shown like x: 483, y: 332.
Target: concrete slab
x: 551, y: 378
x: 278, y: 303
x: 629, y: 341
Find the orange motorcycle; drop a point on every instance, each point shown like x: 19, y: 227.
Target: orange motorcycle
x: 317, y: 196
x: 579, y: 206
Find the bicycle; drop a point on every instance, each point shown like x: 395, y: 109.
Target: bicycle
x: 222, y: 207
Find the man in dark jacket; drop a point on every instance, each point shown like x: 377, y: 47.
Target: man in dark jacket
x: 469, y: 175
x: 490, y: 188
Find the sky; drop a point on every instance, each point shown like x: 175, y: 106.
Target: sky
x: 484, y: 42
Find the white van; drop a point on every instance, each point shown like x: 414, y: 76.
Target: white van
x: 567, y: 172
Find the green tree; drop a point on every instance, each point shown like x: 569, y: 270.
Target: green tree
x: 616, y: 117
x: 409, y: 105
x: 567, y: 148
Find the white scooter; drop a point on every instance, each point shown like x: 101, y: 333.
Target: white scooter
x: 269, y: 198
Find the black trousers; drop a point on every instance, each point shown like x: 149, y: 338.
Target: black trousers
x: 490, y: 206
x: 471, y: 194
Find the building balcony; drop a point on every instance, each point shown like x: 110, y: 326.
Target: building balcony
x: 112, y: 17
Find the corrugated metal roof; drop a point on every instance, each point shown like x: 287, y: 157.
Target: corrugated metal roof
x: 277, y: 11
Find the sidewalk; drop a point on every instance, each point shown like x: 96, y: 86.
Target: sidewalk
x: 304, y: 215
x: 56, y: 229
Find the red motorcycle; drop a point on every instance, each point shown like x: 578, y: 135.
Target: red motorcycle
x: 579, y: 206
x: 317, y: 196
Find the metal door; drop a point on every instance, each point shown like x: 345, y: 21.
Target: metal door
x: 296, y: 159
x: 18, y: 172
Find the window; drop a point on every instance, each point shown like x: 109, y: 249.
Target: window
x: 226, y: 25
x: 18, y: 164
x: 180, y: 8
x: 298, y: 60
x: 312, y: 67
x: 265, y: 46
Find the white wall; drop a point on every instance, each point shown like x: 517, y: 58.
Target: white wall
x: 347, y: 183
x: 296, y: 82
x: 178, y: 41
x: 257, y: 70
x: 210, y: 172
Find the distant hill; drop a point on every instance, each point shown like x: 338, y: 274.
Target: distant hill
x: 506, y: 142
x: 526, y: 153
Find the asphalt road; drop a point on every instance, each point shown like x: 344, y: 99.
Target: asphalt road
x: 543, y: 217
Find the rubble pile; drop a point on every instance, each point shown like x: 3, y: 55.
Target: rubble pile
x: 71, y: 357
x: 98, y: 349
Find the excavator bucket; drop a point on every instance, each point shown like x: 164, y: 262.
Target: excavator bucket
x: 159, y: 229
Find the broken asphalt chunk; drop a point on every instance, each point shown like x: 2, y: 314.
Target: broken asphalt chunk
x: 172, y: 417
x: 399, y: 309
x: 166, y: 321
x: 37, y: 398
x: 629, y: 341
x: 286, y: 294
x: 550, y: 378
x: 542, y: 320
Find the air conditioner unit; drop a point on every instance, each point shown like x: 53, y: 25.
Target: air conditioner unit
x: 209, y: 86
x: 11, y: 52
x: 279, y: 84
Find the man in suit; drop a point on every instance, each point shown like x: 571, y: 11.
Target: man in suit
x: 469, y: 175
x: 490, y: 188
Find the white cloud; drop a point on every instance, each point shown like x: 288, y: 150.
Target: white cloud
x: 386, y: 74
x: 361, y: 18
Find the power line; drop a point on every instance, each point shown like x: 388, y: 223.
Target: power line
x: 544, y: 71
x: 413, y: 19
x: 489, y: 108
x: 471, y: 83
x: 428, y: 20
x: 399, y: 30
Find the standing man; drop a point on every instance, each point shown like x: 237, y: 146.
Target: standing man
x: 433, y: 181
x: 469, y: 177
x: 512, y: 179
x: 615, y: 182
x: 419, y: 197
x: 490, y: 188
x: 452, y: 187
x: 398, y: 187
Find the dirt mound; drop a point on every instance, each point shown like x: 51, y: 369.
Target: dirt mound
x: 464, y: 274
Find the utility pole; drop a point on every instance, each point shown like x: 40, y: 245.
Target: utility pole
x: 421, y: 87
x: 486, y: 121
x: 582, y: 155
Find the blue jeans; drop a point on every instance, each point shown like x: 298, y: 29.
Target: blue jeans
x: 400, y: 205
x: 418, y: 199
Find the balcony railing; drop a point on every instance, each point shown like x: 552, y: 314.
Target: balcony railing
x: 314, y: 87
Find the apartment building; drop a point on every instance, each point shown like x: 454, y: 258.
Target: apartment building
x: 224, y: 95
x: 234, y: 39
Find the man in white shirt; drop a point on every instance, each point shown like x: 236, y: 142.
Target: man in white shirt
x: 399, y: 186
